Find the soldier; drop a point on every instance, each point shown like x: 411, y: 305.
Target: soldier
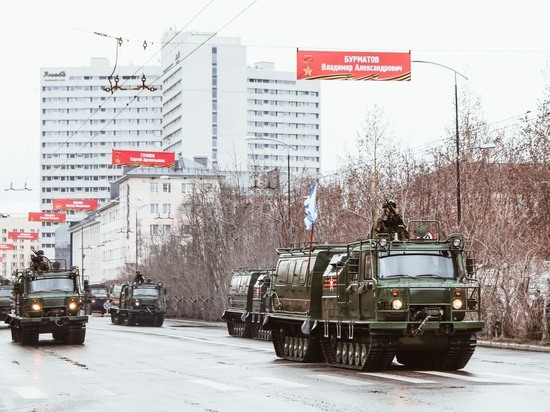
x: 38, y: 260
x: 139, y: 278
x: 390, y: 222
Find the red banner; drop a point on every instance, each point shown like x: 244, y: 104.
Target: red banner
x: 74, y: 204
x: 6, y: 246
x: 23, y: 235
x: 140, y: 158
x: 323, y: 65
x: 47, y: 217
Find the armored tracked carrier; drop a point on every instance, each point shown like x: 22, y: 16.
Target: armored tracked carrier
x: 363, y: 304
x: 141, y: 302
x: 46, y: 299
x: 248, y: 302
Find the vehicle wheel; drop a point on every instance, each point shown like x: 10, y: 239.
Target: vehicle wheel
x: 158, y: 321
x: 13, y: 333
x: 76, y: 335
x: 28, y: 337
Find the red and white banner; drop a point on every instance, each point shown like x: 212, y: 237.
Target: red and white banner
x: 47, y: 217
x: 141, y: 158
x: 23, y: 235
x: 74, y: 204
x: 6, y: 246
x: 326, y: 65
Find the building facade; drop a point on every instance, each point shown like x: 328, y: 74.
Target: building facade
x: 233, y: 116
x: 17, y: 236
x: 146, y: 209
x: 84, y: 115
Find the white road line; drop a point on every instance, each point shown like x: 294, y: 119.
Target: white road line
x: 216, y: 385
x: 29, y: 392
x: 344, y: 381
x: 279, y: 382
x: 456, y: 376
x: 515, y: 377
x: 97, y: 390
x: 408, y: 379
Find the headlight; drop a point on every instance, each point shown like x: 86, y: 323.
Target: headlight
x: 36, y: 306
x: 73, y: 305
x: 383, y: 242
x: 457, y: 304
x: 396, y: 304
x: 136, y: 303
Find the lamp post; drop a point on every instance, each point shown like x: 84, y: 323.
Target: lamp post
x: 458, y: 194
x: 136, y: 231
x: 288, y: 147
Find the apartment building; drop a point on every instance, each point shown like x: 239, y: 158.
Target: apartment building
x: 85, y: 114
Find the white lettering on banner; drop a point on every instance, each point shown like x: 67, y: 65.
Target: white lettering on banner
x: 336, y: 67
x: 147, y: 155
x: 146, y: 160
x: 382, y: 69
x: 361, y: 59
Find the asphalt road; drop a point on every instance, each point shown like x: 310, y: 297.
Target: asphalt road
x: 196, y: 366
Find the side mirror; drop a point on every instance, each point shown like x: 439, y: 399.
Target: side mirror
x: 470, y: 266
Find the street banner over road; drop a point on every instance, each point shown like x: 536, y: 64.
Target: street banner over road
x: 47, y: 217
x: 143, y: 158
x: 74, y: 204
x: 327, y: 65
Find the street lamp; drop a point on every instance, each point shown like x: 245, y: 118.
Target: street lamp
x: 458, y: 195
x: 288, y: 147
x: 136, y: 231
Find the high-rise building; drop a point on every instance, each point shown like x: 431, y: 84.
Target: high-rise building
x: 84, y: 115
x: 232, y: 116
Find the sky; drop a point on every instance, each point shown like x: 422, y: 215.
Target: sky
x: 501, y: 47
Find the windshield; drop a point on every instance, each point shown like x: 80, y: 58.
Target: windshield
x: 98, y: 292
x: 416, y: 265
x: 5, y: 292
x: 51, y: 284
x: 146, y: 292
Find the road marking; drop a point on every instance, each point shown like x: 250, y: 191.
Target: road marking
x: 344, y: 381
x: 455, y: 376
x: 29, y: 392
x: 97, y: 390
x: 216, y: 385
x: 520, y: 378
x: 408, y: 379
x: 280, y: 382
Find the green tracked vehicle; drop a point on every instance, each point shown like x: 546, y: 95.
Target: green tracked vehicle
x: 47, y: 299
x: 5, y: 297
x: 248, y: 303
x: 141, y: 302
x: 362, y: 304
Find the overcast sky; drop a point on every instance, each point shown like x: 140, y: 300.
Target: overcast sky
x: 502, y: 47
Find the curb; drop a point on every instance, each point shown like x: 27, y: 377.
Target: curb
x: 514, y: 346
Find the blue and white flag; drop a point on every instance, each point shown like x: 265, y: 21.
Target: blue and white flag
x: 310, y: 207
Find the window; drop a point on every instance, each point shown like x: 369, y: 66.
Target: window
x: 154, y: 187
x: 166, y: 208
x: 154, y: 209
x: 166, y: 187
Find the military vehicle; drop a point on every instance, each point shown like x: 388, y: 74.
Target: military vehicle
x: 248, y: 302
x: 5, y: 297
x: 96, y: 296
x: 141, y: 302
x: 46, y: 299
x: 361, y: 304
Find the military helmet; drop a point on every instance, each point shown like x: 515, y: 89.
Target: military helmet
x: 390, y: 202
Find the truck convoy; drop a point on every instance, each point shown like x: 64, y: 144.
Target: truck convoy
x: 46, y: 299
x: 248, y: 302
x: 141, y: 302
x: 362, y: 304
x: 96, y: 297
